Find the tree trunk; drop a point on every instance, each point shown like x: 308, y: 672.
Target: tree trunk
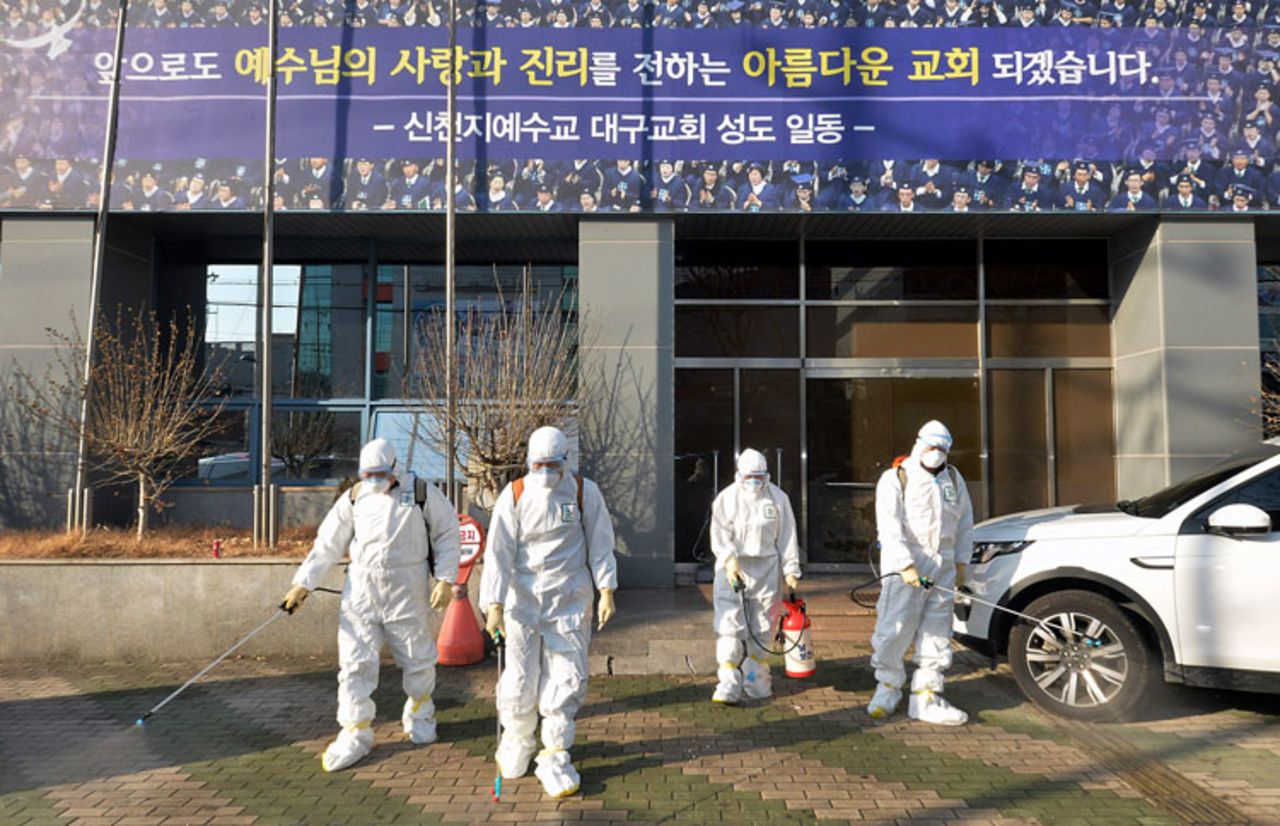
x: 142, y: 506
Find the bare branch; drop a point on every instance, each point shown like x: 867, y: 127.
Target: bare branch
x: 145, y: 421
x: 517, y: 370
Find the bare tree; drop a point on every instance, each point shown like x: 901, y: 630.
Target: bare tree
x: 304, y: 440
x: 516, y: 371
x: 144, y: 422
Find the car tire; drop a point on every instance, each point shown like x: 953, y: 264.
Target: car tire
x: 1098, y: 672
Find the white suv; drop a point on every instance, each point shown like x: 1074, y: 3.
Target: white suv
x: 1185, y: 581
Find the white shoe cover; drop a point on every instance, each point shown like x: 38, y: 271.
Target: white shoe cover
x: 729, y: 689
x: 513, y: 757
x: 351, y: 744
x: 884, y: 702
x: 419, y: 720
x: 757, y: 681
x: 928, y: 706
x: 559, y: 778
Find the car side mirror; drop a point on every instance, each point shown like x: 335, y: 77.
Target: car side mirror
x: 1239, y: 520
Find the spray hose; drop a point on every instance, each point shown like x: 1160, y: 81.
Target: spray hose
x: 926, y: 584
x: 779, y: 636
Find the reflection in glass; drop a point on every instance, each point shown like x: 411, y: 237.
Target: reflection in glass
x: 1046, y: 268
x: 1019, y: 462
x: 224, y: 456
x: 770, y: 409
x: 1084, y: 436
x: 891, y: 270
x: 856, y: 427
x: 703, y: 424
x: 326, y: 349
x: 487, y: 289
x: 741, y: 270
x: 1049, y: 331
x: 315, y: 444
x: 892, y: 332
x: 737, y: 332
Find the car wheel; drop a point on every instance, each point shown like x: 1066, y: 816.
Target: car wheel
x: 1086, y: 660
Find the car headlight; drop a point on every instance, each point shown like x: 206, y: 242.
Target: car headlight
x: 984, y: 552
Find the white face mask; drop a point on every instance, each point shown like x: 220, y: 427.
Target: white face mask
x: 753, y: 485
x: 933, y: 458
x: 545, y: 478
x: 377, y: 484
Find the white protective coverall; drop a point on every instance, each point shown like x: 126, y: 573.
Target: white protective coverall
x: 541, y: 559
x: 384, y: 598
x: 926, y: 526
x: 759, y: 529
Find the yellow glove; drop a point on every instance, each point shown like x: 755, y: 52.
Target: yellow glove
x: 293, y: 600
x: 732, y: 570
x: 493, y: 622
x: 962, y: 575
x: 910, y: 576
x: 606, y: 610
x: 793, y: 581
x: 441, y: 594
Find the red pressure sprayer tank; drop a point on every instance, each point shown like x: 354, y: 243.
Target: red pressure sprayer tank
x: 799, y: 643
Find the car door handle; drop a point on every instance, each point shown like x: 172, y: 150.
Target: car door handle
x: 1153, y: 563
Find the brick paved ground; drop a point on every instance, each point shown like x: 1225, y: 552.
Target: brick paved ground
x: 242, y: 747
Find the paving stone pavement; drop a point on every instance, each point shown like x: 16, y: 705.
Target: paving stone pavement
x: 241, y: 747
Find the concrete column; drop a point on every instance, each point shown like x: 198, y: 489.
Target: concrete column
x: 44, y: 279
x: 627, y: 439
x: 1185, y: 340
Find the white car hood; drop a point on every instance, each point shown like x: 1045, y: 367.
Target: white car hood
x: 1058, y: 523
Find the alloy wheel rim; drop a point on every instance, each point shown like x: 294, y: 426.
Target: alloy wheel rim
x: 1084, y: 669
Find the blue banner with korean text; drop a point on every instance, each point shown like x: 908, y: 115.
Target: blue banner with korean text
x: 645, y: 117
x: 574, y: 93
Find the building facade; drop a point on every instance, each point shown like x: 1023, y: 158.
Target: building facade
x: 1076, y: 359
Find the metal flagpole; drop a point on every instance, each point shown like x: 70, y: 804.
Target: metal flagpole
x: 79, y: 519
x: 268, y: 259
x: 450, y: 286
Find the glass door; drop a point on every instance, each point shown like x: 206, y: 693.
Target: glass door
x: 856, y: 426
x: 719, y: 413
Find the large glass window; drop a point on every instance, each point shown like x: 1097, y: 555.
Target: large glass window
x: 1053, y: 331
x: 737, y: 269
x: 1046, y: 268
x: 327, y: 346
x: 315, y: 444
x: 1019, y: 462
x: 891, y: 270
x: 225, y: 456
x: 770, y: 401
x: 843, y: 331
x: 737, y: 331
x: 704, y: 444
x: 856, y: 427
x: 1084, y: 436
x: 487, y: 288
x: 317, y: 329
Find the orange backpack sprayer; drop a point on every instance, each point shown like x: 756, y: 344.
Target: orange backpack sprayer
x: 800, y: 658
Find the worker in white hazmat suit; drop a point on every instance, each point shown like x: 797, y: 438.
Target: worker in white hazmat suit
x: 550, y: 539
x: 753, y: 535
x: 386, y: 520
x: 923, y: 521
